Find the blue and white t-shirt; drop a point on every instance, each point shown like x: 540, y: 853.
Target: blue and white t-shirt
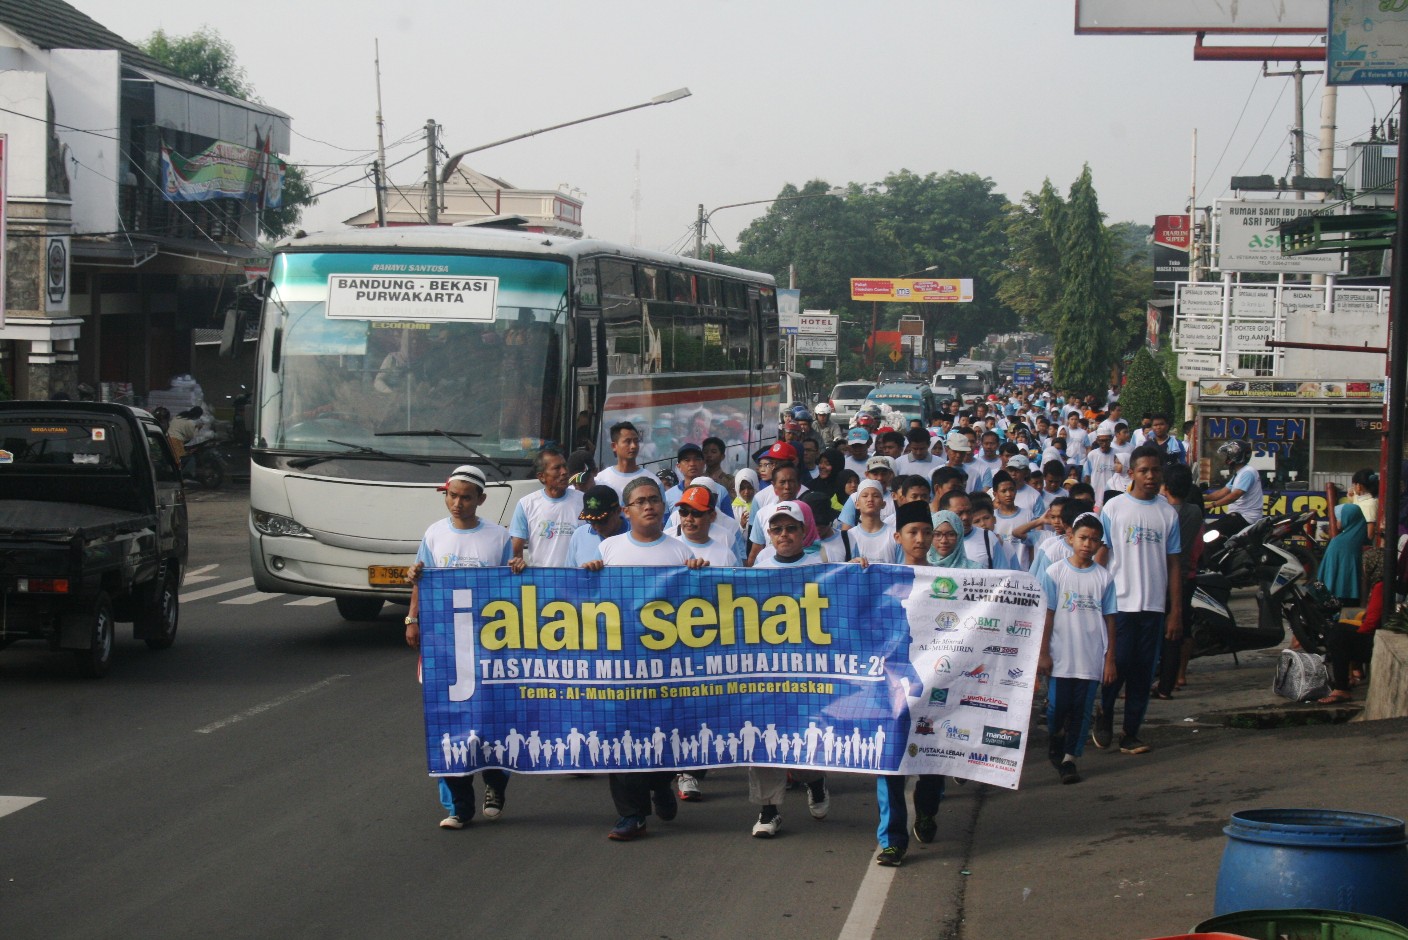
x: 1080, y: 598
x: 484, y: 546
x: 625, y: 549
x: 1249, y: 504
x: 547, y: 524
x: 1141, y: 534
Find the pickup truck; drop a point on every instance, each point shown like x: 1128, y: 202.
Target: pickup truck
x: 93, y: 528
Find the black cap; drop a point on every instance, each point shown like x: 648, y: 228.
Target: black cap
x: 823, y: 513
x: 599, y: 503
x: 914, y: 511
x: 687, y: 449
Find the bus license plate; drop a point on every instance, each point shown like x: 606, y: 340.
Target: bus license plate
x: 387, y: 575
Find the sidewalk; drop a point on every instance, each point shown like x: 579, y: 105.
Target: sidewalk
x: 1133, y: 851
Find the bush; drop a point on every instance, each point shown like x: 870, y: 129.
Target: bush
x: 1146, y: 389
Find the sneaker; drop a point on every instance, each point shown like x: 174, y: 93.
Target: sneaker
x: 1129, y: 744
x: 493, y: 802
x: 1102, y: 732
x: 769, y: 823
x: 891, y: 857
x: 665, y: 806
x: 452, y: 822
x: 818, y: 799
x: 688, y: 788
x: 627, y: 828
x: 925, y: 828
x: 1069, y: 774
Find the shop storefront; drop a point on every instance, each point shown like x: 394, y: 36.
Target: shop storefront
x: 1304, y: 434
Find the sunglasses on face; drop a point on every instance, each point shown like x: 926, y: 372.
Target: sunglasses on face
x: 687, y: 513
x: 784, y: 529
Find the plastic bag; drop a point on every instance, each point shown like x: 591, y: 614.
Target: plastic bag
x: 1301, y: 676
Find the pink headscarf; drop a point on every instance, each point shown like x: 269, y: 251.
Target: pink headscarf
x: 795, y: 508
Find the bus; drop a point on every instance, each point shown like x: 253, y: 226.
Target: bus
x: 389, y: 356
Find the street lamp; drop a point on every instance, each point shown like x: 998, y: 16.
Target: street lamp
x: 454, y: 161
x: 702, y: 220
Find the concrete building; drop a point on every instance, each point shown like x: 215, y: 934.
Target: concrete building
x: 133, y: 200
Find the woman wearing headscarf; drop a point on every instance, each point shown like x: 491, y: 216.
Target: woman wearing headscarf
x: 827, y: 476
x: 745, y: 487
x: 947, y: 550
x: 1339, y: 569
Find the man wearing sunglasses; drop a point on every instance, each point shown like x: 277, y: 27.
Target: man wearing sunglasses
x: 647, y: 545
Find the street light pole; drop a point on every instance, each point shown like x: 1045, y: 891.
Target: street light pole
x: 701, y: 221
x: 454, y: 161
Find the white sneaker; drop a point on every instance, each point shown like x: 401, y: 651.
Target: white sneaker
x: 452, y: 822
x: 768, y: 829
x: 818, y: 807
x: 688, y: 788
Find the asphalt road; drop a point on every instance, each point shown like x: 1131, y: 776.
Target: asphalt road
x: 264, y: 777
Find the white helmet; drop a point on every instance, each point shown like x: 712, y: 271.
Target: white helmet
x: 823, y: 410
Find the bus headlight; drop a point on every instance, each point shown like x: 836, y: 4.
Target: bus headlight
x: 269, y: 523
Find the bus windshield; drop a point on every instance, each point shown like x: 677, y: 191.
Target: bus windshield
x: 967, y: 383
x: 362, y: 355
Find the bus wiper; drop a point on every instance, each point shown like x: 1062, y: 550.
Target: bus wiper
x: 353, y: 450
x: 453, y: 437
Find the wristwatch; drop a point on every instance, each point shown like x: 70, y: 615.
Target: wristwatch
x: 411, y: 620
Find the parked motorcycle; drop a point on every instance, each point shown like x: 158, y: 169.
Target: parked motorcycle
x: 1285, y: 593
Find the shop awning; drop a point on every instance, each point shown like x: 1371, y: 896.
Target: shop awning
x: 205, y: 112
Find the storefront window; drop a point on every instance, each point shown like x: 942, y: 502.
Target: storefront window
x: 1344, y: 445
x: 1280, y: 447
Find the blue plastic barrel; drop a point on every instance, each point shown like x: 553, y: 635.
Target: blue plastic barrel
x: 1314, y: 858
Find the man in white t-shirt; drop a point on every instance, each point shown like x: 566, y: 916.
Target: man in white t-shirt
x: 697, y: 507
x: 625, y: 444
x: 1142, y: 546
x: 1077, y: 440
x: 857, y: 450
x: 543, y: 522
x: 1100, y: 463
x: 647, y: 545
x: 1242, y: 494
x: 918, y: 458
x: 462, y: 540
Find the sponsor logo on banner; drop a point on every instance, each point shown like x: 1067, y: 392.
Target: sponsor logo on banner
x: 938, y: 696
x: 1001, y: 737
x: 986, y: 624
x: 1019, y: 628
x: 946, y: 622
x: 944, y: 666
x: 1014, y: 679
x: 952, y: 646
x: 1001, y: 650
x: 943, y: 588
x: 978, y: 672
x: 984, y: 701
x: 924, y: 725
x: 954, y: 733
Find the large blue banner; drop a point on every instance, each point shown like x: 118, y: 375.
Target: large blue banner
x: 830, y: 667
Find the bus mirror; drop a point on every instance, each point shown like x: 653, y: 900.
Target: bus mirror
x: 232, y: 334
x: 259, y: 287
x: 586, y: 343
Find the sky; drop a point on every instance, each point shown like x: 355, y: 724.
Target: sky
x: 783, y: 92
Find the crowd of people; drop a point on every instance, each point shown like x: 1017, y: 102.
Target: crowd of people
x: 1104, y: 514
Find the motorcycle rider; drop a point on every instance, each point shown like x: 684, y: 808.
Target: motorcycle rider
x: 1242, y: 494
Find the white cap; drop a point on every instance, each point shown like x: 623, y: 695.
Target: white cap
x: 467, y: 473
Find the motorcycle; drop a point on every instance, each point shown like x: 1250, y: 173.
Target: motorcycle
x: 1285, y: 596
x: 1251, y: 562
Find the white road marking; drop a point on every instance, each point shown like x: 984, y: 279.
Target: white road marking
x: 273, y: 703
x: 198, y: 578
x: 869, y: 903
x: 13, y: 804
x: 226, y: 588
x: 309, y: 602
x: 254, y: 598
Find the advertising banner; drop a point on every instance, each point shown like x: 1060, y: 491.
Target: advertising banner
x: 819, y: 323
x: 816, y: 345
x: 910, y: 291
x: 1249, y: 240
x: 1367, y: 43
x: 1312, y: 390
x: 222, y: 171
x: 4, y: 202
x: 1173, y: 236
x: 1024, y: 372
x: 886, y: 669
x: 789, y: 310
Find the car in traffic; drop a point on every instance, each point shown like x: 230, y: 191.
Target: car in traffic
x: 846, y: 399
x: 909, y: 401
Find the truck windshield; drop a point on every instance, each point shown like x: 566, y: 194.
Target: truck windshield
x: 68, y: 443
x: 333, y: 382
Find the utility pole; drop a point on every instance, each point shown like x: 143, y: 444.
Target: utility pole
x: 699, y: 223
x: 1298, y: 74
x: 380, y: 180
x: 432, y: 213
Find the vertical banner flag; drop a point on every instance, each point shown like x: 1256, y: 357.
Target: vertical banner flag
x: 880, y: 670
x: 1173, y: 237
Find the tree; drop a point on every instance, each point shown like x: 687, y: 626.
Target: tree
x: 207, y: 58
x: 1085, y: 310
x: 1031, y: 284
x: 1146, y: 389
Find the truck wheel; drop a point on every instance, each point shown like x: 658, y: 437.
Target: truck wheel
x: 93, y: 662
x: 210, y: 472
x: 359, y: 609
x: 161, y: 613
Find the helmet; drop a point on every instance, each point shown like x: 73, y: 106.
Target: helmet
x: 800, y: 411
x: 866, y: 420
x: 823, y: 410
x: 1236, y: 453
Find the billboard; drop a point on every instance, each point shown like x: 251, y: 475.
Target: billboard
x: 789, y: 310
x: 1173, y: 237
x: 930, y: 290
x: 1201, y: 16
x: 1248, y: 239
x: 1367, y: 43
x: 819, y: 323
x: 4, y: 201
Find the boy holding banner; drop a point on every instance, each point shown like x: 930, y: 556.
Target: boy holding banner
x: 914, y: 533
